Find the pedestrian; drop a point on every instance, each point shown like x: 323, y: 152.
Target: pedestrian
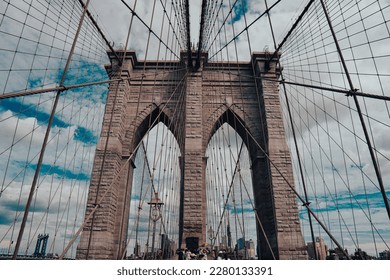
x: 188, y: 254
x: 180, y: 254
x: 202, y: 254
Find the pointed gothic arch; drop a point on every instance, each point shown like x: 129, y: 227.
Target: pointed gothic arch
x: 263, y: 197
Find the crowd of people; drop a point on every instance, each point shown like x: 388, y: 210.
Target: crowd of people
x: 201, y: 254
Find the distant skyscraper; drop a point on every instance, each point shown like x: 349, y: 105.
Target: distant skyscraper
x: 320, y: 247
x: 249, y: 246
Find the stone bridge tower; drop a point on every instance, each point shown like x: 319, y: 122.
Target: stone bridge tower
x: 252, y: 104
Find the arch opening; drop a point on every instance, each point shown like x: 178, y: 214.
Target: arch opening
x: 153, y: 224
x: 231, y: 222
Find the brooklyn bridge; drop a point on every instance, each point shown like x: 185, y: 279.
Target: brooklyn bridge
x: 141, y: 129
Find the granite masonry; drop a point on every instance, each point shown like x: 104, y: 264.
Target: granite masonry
x: 193, y: 104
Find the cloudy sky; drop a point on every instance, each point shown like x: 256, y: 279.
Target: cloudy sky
x: 337, y: 167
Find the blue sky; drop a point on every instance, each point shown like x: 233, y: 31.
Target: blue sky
x: 239, y: 10
x: 65, y: 173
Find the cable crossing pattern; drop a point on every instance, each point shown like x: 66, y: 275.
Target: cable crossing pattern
x: 81, y: 80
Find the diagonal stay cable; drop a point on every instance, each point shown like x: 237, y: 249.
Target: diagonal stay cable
x: 292, y: 29
x: 329, y: 89
x: 334, y: 199
x: 50, y: 122
x: 246, y: 28
x: 75, y: 86
x: 94, y: 209
x: 149, y: 28
x: 363, y: 124
x: 236, y: 170
x: 229, y: 192
x: 222, y: 25
x: 238, y: 165
x: 293, y: 189
x: 99, y: 30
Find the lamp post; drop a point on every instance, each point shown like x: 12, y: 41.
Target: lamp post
x: 211, y: 236
x: 155, y: 214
